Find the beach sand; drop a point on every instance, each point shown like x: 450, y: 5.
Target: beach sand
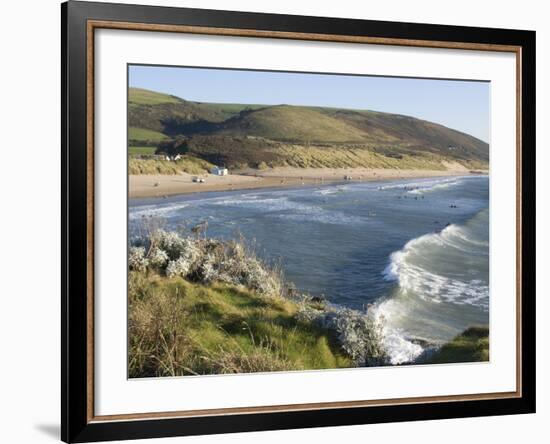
x: 165, y: 185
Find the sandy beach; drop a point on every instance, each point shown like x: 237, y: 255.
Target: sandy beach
x: 166, y: 185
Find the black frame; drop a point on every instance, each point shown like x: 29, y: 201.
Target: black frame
x: 75, y: 426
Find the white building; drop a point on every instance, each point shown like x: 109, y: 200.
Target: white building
x: 219, y: 171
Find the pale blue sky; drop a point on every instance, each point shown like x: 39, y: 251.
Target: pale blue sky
x: 461, y: 105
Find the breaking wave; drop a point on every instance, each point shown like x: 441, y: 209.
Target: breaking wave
x: 155, y: 210
x: 425, y: 186
x: 440, y: 277
x: 288, y: 209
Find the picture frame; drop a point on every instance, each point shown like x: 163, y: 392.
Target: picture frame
x: 80, y: 22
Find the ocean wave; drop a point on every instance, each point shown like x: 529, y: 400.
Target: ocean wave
x: 419, y: 277
x: 400, y: 349
x: 425, y: 186
x: 434, y: 288
x: 154, y: 210
x: 318, y: 215
x: 288, y: 209
x: 271, y: 204
x: 439, y: 276
x: 332, y: 190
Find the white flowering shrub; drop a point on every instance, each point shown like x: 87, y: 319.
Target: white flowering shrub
x: 170, y: 242
x: 204, y: 260
x: 359, y: 334
x: 229, y: 262
x: 208, y: 269
x: 136, y: 259
x: 256, y: 276
x: 179, y: 267
x: 158, y: 258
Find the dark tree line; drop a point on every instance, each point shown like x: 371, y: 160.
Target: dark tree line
x: 173, y: 147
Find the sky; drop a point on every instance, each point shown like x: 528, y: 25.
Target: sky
x: 461, y: 105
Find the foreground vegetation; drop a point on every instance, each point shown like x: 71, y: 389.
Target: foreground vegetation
x: 181, y: 328
x: 202, y: 306
x: 470, y: 346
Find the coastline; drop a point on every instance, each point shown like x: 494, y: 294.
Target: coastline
x: 281, y: 232
x: 308, y: 331
x: 144, y: 186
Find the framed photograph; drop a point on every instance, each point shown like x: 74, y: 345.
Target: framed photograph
x: 275, y: 221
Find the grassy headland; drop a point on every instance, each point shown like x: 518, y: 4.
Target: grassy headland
x: 179, y: 328
x: 203, y: 306
x: 472, y: 345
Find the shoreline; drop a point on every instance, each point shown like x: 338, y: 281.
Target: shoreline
x: 148, y: 186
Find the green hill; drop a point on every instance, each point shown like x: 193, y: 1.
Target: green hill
x: 172, y: 116
x: 418, y: 134
x: 291, y: 124
x: 241, y: 135
x: 140, y: 96
x: 143, y: 134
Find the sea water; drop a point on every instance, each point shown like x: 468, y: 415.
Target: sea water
x: 414, y: 251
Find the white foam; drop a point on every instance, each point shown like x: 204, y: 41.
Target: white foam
x: 154, y: 210
x: 422, y: 290
x: 325, y: 217
x: 399, y: 349
x: 332, y: 190
x: 291, y: 210
x: 425, y: 186
x: 430, y: 286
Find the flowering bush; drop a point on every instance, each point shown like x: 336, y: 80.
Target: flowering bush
x: 359, y: 334
x: 204, y: 260
x: 179, y: 267
x: 255, y: 276
x: 170, y: 242
x: 158, y: 258
x: 136, y: 259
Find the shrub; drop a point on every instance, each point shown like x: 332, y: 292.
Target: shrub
x: 204, y: 260
x: 136, y: 259
x: 180, y: 267
x: 158, y: 258
x: 359, y: 334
